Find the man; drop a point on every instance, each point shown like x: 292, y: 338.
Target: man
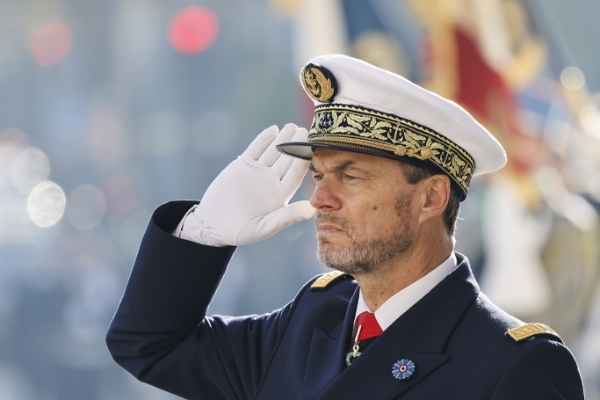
x: 391, y: 162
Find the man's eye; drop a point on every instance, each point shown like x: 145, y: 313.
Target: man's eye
x: 317, y: 177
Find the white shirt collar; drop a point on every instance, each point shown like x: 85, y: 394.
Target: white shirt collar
x: 399, y: 303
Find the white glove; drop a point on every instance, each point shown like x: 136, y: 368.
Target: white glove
x: 248, y: 200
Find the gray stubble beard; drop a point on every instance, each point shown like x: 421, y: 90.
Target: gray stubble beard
x: 363, y: 257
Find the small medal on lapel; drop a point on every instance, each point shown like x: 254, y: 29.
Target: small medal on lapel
x: 351, y: 356
x: 354, y: 354
x: 403, y: 369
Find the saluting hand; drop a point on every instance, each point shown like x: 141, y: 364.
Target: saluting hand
x: 248, y: 201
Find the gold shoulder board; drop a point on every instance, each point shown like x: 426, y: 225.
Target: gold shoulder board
x: 325, y: 279
x: 528, y: 330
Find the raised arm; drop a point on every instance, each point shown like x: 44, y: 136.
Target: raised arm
x: 160, y: 332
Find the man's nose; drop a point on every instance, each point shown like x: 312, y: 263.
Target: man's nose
x: 325, y: 197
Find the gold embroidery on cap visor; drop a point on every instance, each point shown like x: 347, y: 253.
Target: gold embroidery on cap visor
x: 356, y: 127
x: 317, y: 85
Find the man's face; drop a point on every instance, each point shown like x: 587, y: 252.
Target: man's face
x: 365, y: 210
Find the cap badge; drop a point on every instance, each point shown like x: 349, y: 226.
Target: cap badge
x: 403, y: 369
x: 319, y: 83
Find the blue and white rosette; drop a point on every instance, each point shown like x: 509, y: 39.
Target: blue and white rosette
x: 403, y: 369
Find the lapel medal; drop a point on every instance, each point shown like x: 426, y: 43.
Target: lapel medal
x: 403, y: 369
x: 354, y: 354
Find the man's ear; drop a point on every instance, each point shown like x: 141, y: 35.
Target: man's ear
x: 435, y: 195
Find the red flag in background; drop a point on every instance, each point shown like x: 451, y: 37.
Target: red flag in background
x: 505, y: 67
x: 480, y: 88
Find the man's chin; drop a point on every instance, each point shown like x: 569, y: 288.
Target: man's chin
x: 352, y: 270
x: 335, y: 260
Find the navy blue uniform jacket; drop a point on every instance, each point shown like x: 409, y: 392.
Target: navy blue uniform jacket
x: 454, y: 335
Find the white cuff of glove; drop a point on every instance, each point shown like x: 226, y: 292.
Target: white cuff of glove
x: 189, y: 230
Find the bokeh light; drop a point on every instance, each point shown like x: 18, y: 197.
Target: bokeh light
x: 29, y: 169
x: 121, y: 196
x: 193, y: 30
x: 572, y: 78
x: 51, y: 43
x: 86, y: 207
x: 589, y: 117
x: 46, y: 204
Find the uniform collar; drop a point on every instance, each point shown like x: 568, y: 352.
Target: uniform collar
x: 400, y: 302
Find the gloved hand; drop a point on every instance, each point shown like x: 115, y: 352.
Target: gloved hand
x: 248, y: 200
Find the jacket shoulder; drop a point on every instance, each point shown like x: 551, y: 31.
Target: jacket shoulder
x: 512, y: 328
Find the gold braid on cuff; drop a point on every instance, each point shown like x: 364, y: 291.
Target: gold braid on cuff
x: 347, y: 126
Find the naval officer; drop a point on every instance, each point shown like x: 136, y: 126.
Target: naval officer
x: 399, y: 317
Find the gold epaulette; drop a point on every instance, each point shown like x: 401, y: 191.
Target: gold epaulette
x: 528, y: 330
x: 326, y: 279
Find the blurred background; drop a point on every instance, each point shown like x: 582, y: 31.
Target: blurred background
x: 108, y: 109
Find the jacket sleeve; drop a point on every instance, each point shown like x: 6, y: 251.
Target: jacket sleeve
x: 545, y: 369
x: 160, y: 333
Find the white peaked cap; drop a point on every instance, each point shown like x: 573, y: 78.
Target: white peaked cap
x: 363, y: 108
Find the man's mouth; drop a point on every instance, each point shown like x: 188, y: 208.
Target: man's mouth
x: 331, y: 224
x: 328, y: 228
